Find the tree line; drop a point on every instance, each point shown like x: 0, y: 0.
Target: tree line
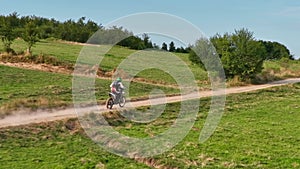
x: 33, y: 28
x: 240, y: 53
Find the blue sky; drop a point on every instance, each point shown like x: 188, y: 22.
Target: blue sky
x: 275, y: 20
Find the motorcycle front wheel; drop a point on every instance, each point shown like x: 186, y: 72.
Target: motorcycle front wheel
x: 122, y: 101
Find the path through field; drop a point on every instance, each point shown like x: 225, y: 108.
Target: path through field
x: 45, y: 116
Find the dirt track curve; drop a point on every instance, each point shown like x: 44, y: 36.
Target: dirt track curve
x: 45, y: 116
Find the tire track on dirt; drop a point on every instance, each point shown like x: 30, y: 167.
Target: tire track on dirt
x: 53, y: 115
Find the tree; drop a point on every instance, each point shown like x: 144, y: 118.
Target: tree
x: 276, y: 51
x: 172, y: 47
x: 241, y: 55
x: 7, y: 33
x: 203, y: 53
x: 133, y: 42
x: 30, y: 35
x: 223, y: 44
x: 247, y: 55
x: 181, y: 50
x: 147, y: 41
x: 136, y: 43
x: 155, y: 46
x: 164, y: 46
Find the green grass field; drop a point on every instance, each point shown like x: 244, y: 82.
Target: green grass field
x: 22, y: 88
x: 258, y: 130
x: 53, y: 145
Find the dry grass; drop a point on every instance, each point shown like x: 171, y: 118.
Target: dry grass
x: 276, y: 70
x: 29, y: 104
x: 236, y: 81
x: 34, y: 59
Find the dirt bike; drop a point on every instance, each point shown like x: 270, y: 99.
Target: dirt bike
x: 114, y: 99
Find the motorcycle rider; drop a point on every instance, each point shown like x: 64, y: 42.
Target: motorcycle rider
x: 117, y: 87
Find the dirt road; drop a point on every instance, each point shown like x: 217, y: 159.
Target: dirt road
x: 44, y: 116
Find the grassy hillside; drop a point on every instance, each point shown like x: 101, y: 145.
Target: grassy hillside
x: 258, y: 130
x: 32, y: 89
x: 67, y: 52
x: 22, y: 88
x: 63, y: 51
